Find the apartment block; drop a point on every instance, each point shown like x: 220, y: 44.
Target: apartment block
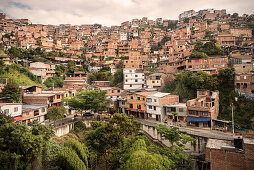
x: 133, y: 79
x: 203, y: 109
x: 155, y: 103
x: 136, y: 104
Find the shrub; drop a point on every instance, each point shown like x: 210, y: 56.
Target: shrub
x: 79, y: 148
x: 68, y: 159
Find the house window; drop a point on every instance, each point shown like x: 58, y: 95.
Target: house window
x: 36, y: 112
x: 118, y: 91
x: 205, y: 114
x: 153, y: 81
x: 130, y: 85
x: 136, y: 80
x: 173, y: 109
x: 139, y: 106
x: 136, y: 75
x: 126, y: 80
x: 131, y: 97
x: 6, y: 111
x: 150, y: 107
x: 58, y: 96
x: 244, y: 77
x: 27, y: 113
x: 131, y: 106
x: 16, y: 109
x: 180, y: 109
x: 155, y: 100
x: 43, y: 110
x: 138, y: 98
x: 126, y: 75
x: 154, y: 107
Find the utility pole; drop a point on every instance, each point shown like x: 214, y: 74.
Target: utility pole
x: 233, y: 126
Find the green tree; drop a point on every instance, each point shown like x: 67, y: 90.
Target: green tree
x: 67, y: 158
x: 117, y: 77
x: 18, y: 142
x: 79, y: 126
x: 84, y: 67
x: 174, y: 136
x: 55, y: 113
x: 203, y: 50
x: 99, y: 76
x: 60, y: 70
x: 15, y: 52
x: 71, y: 66
x: 79, y: 148
x: 235, y: 15
x: 13, y: 91
x: 186, y: 20
x: 107, y: 137
x: 139, y: 158
x: 57, y: 82
x: 93, y: 100
x: 208, y: 35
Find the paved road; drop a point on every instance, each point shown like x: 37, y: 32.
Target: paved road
x: 192, y: 131
x: 195, y: 131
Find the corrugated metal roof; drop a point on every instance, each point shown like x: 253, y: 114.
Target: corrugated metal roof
x: 159, y: 95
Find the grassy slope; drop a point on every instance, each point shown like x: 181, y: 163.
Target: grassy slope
x: 19, y: 78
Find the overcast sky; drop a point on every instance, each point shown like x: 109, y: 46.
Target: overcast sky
x: 112, y: 12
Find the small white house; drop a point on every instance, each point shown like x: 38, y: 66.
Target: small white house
x: 11, y: 109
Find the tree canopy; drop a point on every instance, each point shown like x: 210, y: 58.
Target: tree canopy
x: 55, y: 113
x: 93, y: 100
x: 203, y: 50
x: 22, y: 147
x: 13, y: 91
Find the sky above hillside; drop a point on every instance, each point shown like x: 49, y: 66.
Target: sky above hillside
x: 112, y: 12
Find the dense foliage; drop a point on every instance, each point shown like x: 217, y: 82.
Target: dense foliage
x: 12, y: 91
x: 68, y: 159
x: 187, y: 83
x: 203, y: 50
x: 93, y: 100
x: 99, y: 76
x: 55, y: 113
x: 22, y: 147
x: 160, y: 44
x: 117, y: 77
x: 56, y: 82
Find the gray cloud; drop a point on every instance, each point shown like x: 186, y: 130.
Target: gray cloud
x: 112, y: 12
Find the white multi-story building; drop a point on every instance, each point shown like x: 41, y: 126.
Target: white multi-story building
x: 123, y: 36
x: 133, y: 79
x: 156, y: 102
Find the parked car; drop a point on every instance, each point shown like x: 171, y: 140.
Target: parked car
x: 88, y: 114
